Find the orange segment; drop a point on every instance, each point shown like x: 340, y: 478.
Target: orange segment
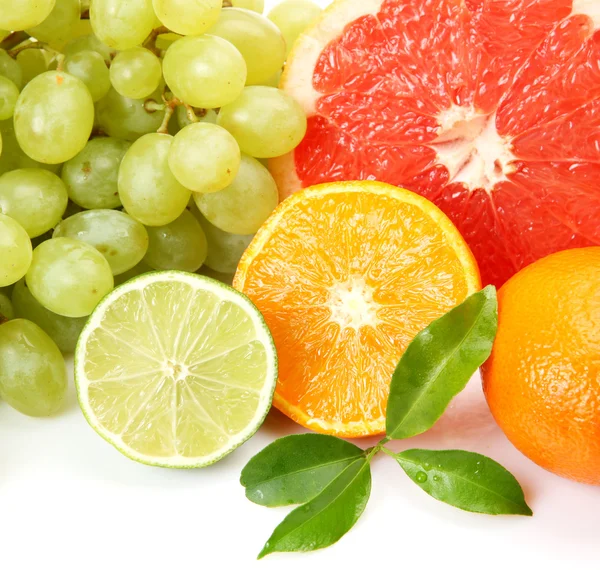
x: 346, y: 274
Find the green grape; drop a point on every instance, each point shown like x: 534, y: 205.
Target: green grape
x: 35, y: 198
x: 204, y: 157
x: 10, y: 68
x: 203, y: 116
x: 187, y: 18
x: 244, y: 205
x: 147, y: 187
x: 179, y: 245
x: 26, y: 14
x: 32, y: 62
x: 12, y: 156
x: 15, y: 251
x: 64, y: 331
x: 69, y: 277
x: 118, y: 237
x: 54, y: 117
x: 125, y: 118
x: 139, y: 269
x: 206, y: 71
x: 265, y: 121
x: 274, y: 80
x: 224, y: 249
x: 91, y: 176
x: 122, y: 24
x: 6, y: 308
x: 88, y: 42
x: 89, y: 67
x: 59, y: 26
x: 293, y: 17
x: 254, y: 5
x: 33, y: 376
x: 9, y: 93
x: 135, y: 73
x: 258, y: 40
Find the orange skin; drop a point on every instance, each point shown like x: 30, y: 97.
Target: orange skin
x: 542, y: 382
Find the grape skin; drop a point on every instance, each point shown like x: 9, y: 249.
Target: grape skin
x: 27, y: 14
x: 6, y: 308
x: 15, y: 251
x: 89, y: 67
x: 293, y: 17
x: 9, y: 93
x: 58, y: 27
x: 135, y: 73
x: 10, y: 68
x: 185, y: 17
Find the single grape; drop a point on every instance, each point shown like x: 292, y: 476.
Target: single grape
x: 147, y: 187
x: 185, y: 17
x: 258, y: 40
x: 245, y: 204
x: 128, y: 119
x: 88, y: 42
x: 6, y: 308
x: 64, y: 331
x: 204, y: 157
x: 254, y: 5
x: 10, y: 68
x: 293, y: 17
x: 69, y: 277
x: 60, y: 24
x: 26, y: 14
x: 179, y: 245
x: 203, y: 116
x: 91, y: 176
x: 265, y: 121
x: 32, y: 62
x: 139, y: 269
x: 274, y: 80
x: 9, y: 93
x: 35, y: 198
x: 15, y: 251
x: 118, y: 237
x: 135, y: 73
x: 206, y: 71
x: 89, y: 67
x: 122, y: 24
x: 33, y: 377
x: 54, y: 117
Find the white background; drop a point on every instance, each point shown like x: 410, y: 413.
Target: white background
x: 69, y: 500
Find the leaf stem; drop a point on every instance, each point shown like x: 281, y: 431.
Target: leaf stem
x: 388, y: 452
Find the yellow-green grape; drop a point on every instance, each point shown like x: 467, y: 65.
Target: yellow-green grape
x: 244, y: 205
x: 15, y: 251
x: 88, y: 42
x: 10, y: 68
x: 204, y: 157
x: 265, y: 121
x: 6, y: 308
x: 33, y: 376
x: 148, y: 190
x: 179, y: 245
x: 122, y: 24
x: 35, y: 198
x: 139, y: 269
x: 258, y: 40
x: 89, y: 67
x: 254, y: 5
x: 185, y: 17
x: 9, y: 93
x: 206, y: 71
x: 274, y: 80
x: 59, y: 26
x: 118, y: 237
x: 54, y: 117
x: 64, y: 331
x: 25, y: 14
x: 32, y: 62
x: 91, y: 176
x: 125, y: 118
x: 69, y: 277
x: 293, y: 17
x: 203, y: 116
x: 135, y: 73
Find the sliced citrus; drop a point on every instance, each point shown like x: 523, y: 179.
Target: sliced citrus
x: 346, y: 274
x: 488, y: 108
x: 175, y: 369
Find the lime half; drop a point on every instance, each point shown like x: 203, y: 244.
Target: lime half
x: 175, y: 369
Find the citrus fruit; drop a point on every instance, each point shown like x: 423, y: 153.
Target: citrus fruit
x: 346, y: 275
x: 542, y: 382
x: 175, y: 369
x: 489, y: 109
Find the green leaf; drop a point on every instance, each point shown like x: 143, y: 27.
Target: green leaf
x: 466, y: 480
x: 326, y: 518
x: 294, y: 469
x: 439, y: 362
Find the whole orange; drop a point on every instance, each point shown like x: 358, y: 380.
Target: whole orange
x: 542, y: 381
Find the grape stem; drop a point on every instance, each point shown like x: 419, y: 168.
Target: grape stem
x: 150, y: 41
x: 227, y: 4
x: 60, y: 62
x: 3, y: 319
x: 191, y: 115
x: 13, y: 40
x: 30, y: 45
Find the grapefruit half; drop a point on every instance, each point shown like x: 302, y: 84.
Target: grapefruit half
x: 489, y: 108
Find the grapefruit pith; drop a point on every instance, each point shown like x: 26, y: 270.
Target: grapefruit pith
x: 490, y: 109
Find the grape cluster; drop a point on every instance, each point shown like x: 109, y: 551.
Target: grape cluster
x: 133, y: 138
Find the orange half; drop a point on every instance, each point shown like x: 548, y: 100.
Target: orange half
x: 346, y: 274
